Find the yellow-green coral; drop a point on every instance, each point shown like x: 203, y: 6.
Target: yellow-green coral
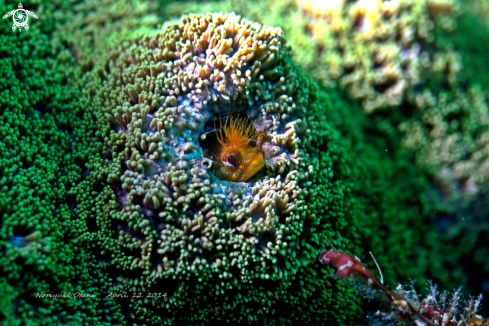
x: 379, y: 50
x: 386, y: 53
x: 452, y: 139
x: 90, y: 28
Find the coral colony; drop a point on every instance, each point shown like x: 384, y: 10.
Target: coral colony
x: 159, y: 167
x: 176, y: 218
x: 392, y: 54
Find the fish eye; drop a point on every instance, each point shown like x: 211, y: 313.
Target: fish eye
x: 232, y: 159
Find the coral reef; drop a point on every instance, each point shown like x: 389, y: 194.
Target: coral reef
x: 36, y: 171
x: 164, y: 221
x: 397, y: 224
x: 378, y: 50
x: 39, y: 124
x: 456, y: 144
x: 415, y: 57
x: 446, y: 124
x: 383, y: 53
x: 90, y: 28
x: 106, y: 187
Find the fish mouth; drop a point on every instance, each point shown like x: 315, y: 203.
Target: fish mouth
x: 256, y: 162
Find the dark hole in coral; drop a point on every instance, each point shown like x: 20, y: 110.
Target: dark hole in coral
x: 418, y: 89
x: 384, y: 86
x: 429, y: 126
x: 39, y: 109
x: 406, y: 110
x: 452, y: 116
x: 358, y: 21
x: 116, y: 128
x: 107, y: 70
x: 348, y: 69
x: 377, y: 64
x: 113, y: 273
x: 102, y: 257
x: 280, y: 260
x: 87, y: 66
x: 71, y: 202
x: 16, y: 304
x: 208, y: 140
x: 442, y: 222
x: 92, y: 224
x: 21, y: 232
x: 85, y: 173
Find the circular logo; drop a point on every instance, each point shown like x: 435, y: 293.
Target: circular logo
x: 20, y: 17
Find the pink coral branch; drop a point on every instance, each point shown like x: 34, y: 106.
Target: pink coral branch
x: 345, y: 264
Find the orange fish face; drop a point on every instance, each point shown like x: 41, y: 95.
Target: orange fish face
x: 240, y: 165
x: 236, y: 160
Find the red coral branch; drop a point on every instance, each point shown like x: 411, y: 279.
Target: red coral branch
x: 345, y: 264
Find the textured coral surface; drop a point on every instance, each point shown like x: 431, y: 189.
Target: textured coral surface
x: 159, y: 214
x: 378, y: 50
x: 391, y: 55
x: 106, y: 185
x: 419, y: 69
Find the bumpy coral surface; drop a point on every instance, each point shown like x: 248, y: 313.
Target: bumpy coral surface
x: 164, y: 222
x: 385, y: 53
x: 37, y: 117
x: 457, y: 142
x: 426, y: 60
x: 107, y: 185
x: 378, y: 50
x: 40, y: 125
